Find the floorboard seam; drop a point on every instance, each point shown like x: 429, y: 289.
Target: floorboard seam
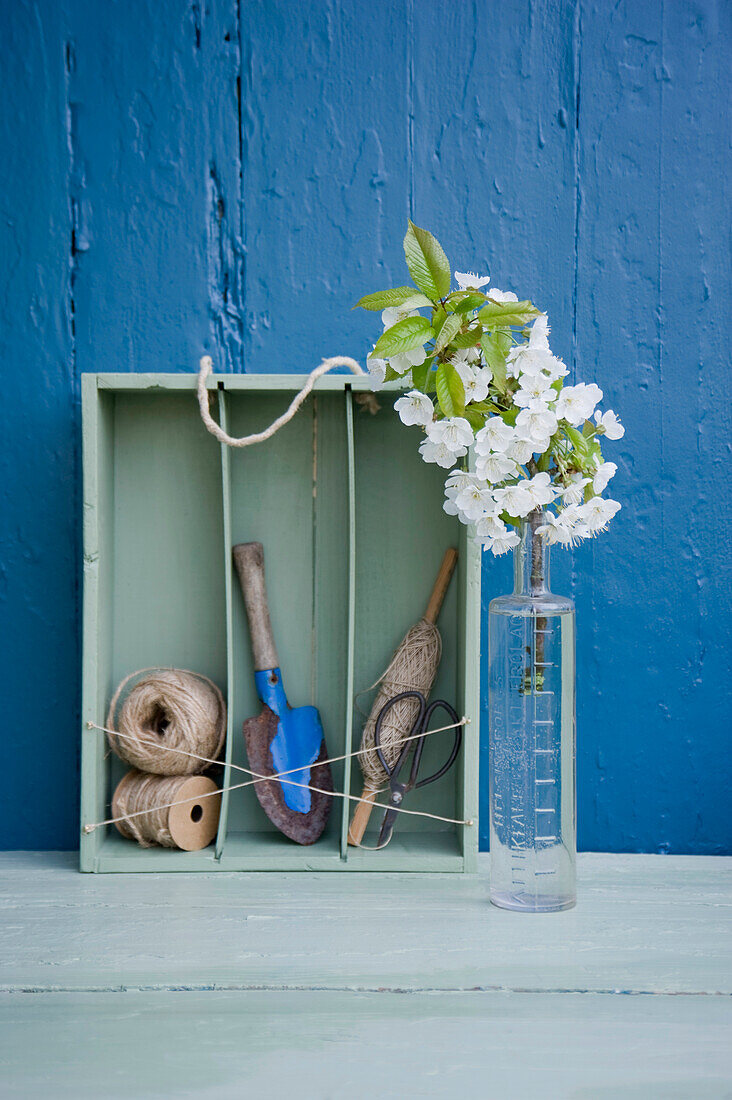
x: 420, y: 990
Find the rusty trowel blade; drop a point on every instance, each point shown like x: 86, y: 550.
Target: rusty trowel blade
x: 304, y: 828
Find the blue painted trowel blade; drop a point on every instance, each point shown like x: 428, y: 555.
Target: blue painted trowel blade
x: 296, y: 745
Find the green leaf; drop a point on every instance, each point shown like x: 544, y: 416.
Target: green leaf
x: 428, y: 265
x: 450, y: 329
x: 383, y: 299
x: 405, y: 335
x: 450, y: 390
x: 509, y: 417
x: 439, y: 316
x: 469, y: 339
x: 485, y: 407
x: 471, y: 301
x: 417, y: 301
x: 475, y: 418
x: 504, y: 314
x: 581, y: 445
x: 493, y: 349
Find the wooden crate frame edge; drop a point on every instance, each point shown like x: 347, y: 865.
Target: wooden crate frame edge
x: 103, y: 850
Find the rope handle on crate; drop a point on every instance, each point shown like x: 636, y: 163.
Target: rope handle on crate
x: 206, y: 366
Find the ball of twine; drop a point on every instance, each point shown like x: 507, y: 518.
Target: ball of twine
x: 412, y: 668
x: 168, y: 709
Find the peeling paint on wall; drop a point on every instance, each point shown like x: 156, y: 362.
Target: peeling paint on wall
x: 231, y: 177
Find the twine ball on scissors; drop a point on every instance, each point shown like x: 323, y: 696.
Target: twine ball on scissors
x: 165, y: 711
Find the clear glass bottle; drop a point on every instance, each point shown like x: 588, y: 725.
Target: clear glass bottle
x: 532, y: 737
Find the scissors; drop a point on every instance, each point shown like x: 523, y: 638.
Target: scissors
x: 396, y: 788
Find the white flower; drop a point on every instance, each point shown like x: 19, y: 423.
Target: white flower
x: 458, y: 479
x: 523, y: 360
x: 440, y: 453
x: 567, y: 528
x: 575, y: 491
x: 377, y: 370
x: 415, y: 408
x: 466, y: 280
x: 535, y: 357
x: 501, y: 295
x: 610, y: 422
x: 539, y: 335
x: 474, y: 502
x: 495, y: 435
x: 514, y: 499
x: 536, y: 423
x: 555, y: 369
x: 499, y: 544
x: 392, y: 314
x: 576, y: 403
x: 491, y: 527
x: 535, y: 387
x: 460, y: 358
x: 475, y: 381
x: 455, y: 482
x: 606, y: 470
x: 407, y: 359
x: 521, y: 450
x: 540, y: 489
x: 597, y: 513
x: 549, y: 529
x: 454, y: 431
x: 495, y: 467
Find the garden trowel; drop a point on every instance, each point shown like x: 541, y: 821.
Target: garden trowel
x: 281, y: 739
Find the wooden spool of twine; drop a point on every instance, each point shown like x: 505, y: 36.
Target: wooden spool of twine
x: 412, y: 668
x: 167, y: 713
x: 142, y: 802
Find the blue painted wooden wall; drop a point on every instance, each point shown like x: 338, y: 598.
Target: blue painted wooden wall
x: 231, y: 174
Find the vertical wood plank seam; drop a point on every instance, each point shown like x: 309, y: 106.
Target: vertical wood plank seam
x: 410, y: 103
x: 72, y: 185
x: 241, y: 251
x: 577, y: 159
x: 659, y: 309
x: 576, y: 67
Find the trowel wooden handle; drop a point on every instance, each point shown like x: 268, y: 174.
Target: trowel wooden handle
x: 249, y: 562
x: 441, y: 585
x: 361, y: 816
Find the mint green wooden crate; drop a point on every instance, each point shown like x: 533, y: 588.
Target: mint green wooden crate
x: 353, y: 529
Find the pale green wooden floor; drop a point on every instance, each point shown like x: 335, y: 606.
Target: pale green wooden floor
x: 331, y: 986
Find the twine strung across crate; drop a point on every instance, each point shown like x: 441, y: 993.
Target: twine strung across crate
x: 91, y: 826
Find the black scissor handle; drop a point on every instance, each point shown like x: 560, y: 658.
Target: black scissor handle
x: 417, y: 727
x: 437, y: 705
